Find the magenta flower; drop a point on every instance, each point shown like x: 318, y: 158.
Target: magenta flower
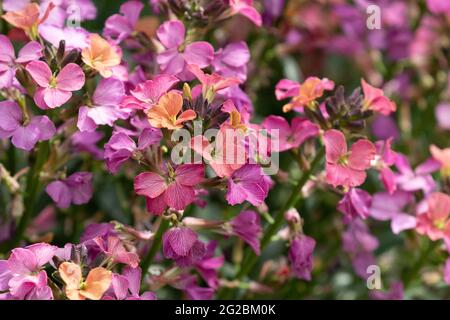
x: 435, y: 222
x: 104, y: 109
x: 386, y: 206
x: 188, y: 283
x: 375, y: 100
x: 395, y: 293
x: 115, y: 250
x: 127, y: 286
x: 181, y: 244
x: 245, y: 8
x: 86, y: 141
x: 23, y: 135
x: 346, y: 168
x: 8, y: 61
x: 385, y: 158
x: 53, y: 90
x: 121, y: 147
x: 175, y: 189
x: 447, y: 271
x: 247, y: 183
x: 290, y: 137
x: 22, y: 276
x: 355, y: 203
x: 176, y: 56
x: 247, y: 226
x: 147, y: 94
x: 121, y: 26
x: 76, y: 189
x: 300, y: 256
x: 232, y: 60
x: 207, y: 267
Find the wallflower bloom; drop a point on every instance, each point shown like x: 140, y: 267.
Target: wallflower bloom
x: 21, y: 274
x: 147, y: 94
x: 355, y: 203
x: 175, y: 189
x: 121, y: 147
x: 443, y: 157
x: 375, y: 100
x: 300, y: 256
x: 177, y: 55
x: 8, y: 61
x: 28, y: 18
x: 346, y: 168
x: 165, y: 113
x: 292, y: 136
x: 209, y: 265
x: 245, y: 7
x: 181, y: 244
x: 76, y: 189
x: 101, y: 56
x: 76, y: 288
x: 385, y: 158
x: 435, y: 222
x: 247, y: 226
x: 126, y: 286
x: 232, y: 60
x: 24, y: 134
x: 104, y: 109
x: 53, y: 90
x: 302, y: 94
x: 115, y: 250
x: 419, y: 179
x: 247, y: 183
x: 121, y: 26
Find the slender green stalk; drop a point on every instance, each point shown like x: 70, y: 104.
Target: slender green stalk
x: 31, y: 193
x: 250, y: 258
x: 156, y: 244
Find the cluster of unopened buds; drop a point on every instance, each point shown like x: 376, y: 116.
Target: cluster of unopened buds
x: 169, y: 112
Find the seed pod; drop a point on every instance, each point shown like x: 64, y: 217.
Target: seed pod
x: 61, y: 51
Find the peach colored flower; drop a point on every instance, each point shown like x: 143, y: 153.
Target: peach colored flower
x: 101, y: 55
x: 435, y: 222
x: 443, y: 157
x: 165, y: 113
x: 97, y: 282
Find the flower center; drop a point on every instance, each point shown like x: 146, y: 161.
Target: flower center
x: 52, y: 82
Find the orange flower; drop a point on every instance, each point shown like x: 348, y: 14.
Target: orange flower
x: 28, y: 19
x: 311, y: 89
x: 97, y: 282
x: 165, y: 113
x: 100, y: 55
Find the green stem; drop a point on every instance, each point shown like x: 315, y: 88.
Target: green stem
x: 31, y: 192
x: 156, y: 244
x: 424, y: 255
x: 250, y: 258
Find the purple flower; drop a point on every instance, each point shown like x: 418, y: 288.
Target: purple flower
x: 95, y: 230
x: 121, y: 26
x: 87, y: 142
x: 207, y: 267
x: 438, y: 6
x: 247, y: 183
x: 22, y: 276
x: 387, y: 206
x: 181, y: 244
x: 188, y: 283
x: 385, y: 127
x: 175, y: 58
x: 289, y: 137
x: 232, y: 60
x: 76, y: 189
x: 247, y: 226
x: 442, y: 112
x: 395, y: 293
x: 354, y: 204
x: 8, y: 61
x: 300, y: 256
x: 385, y: 158
x: 121, y: 147
x: 414, y: 180
x: 74, y: 37
x: 127, y: 286
x: 104, y: 109
x: 24, y: 135
x: 447, y: 271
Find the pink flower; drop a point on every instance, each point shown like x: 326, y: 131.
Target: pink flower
x: 355, y: 203
x: 375, y: 100
x: 247, y: 226
x: 114, y: 249
x: 435, y: 222
x: 181, y: 244
x: 126, y: 286
x: 121, y: 26
x: 176, y: 55
x: 395, y: 293
x: 290, y: 137
x: 208, y: 266
x: 8, y: 61
x: 443, y: 157
x: 245, y: 7
x: 385, y: 158
x: 346, y: 168
x: 104, y: 109
x: 247, y: 183
x: 147, y: 94
x: 300, y: 256
x: 174, y: 189
x: 232, y: 60
x: 54, y: 91
x: 447, y: 271
x: 76, y: 189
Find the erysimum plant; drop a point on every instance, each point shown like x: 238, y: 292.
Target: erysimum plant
x: 207, y: 150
